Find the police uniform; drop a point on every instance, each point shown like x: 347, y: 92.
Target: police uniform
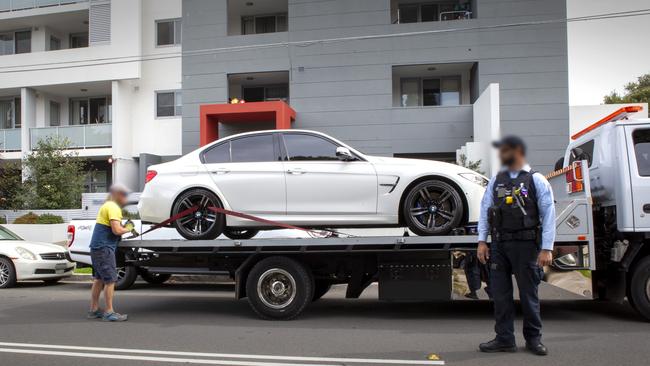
x: 519, y: 212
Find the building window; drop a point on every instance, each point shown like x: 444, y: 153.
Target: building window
x: 168, y: 32
x: 55, y: 114
x: 430, y: 91
x: 169, y: 104
x: 15, y: 42
x: 257, y: 24
x: 79, y: 40
x: 433, y: 11
x: 9, y: 113
x: 95, y: 110
x: 55, y: 43
x: 265, y: 93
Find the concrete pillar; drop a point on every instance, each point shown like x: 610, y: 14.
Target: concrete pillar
x: 125, y: 167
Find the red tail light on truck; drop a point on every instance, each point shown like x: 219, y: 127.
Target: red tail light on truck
x: 71, y: 231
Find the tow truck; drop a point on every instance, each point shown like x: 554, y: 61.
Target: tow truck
x: 602, y: 195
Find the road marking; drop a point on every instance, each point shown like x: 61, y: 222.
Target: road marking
x: 220, y: 355
x: 151, y: 358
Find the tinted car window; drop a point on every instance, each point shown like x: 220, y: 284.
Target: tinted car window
x: 306, y: 147
x: 587, y: 153
x: 252, y: 149
x: 642, y: 151
x: 217, y: 154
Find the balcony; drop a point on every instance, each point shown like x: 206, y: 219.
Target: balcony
x: 409, y: 11
x: 10, y: 140
x: 15, y: 5
x: 80, y: 136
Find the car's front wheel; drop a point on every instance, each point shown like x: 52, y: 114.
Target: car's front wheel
x: 7, y: 273
x: 433, y: 207
x: 203, y: 224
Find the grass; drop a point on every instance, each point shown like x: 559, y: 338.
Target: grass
x: 585, y: 273
x: 85, y: 270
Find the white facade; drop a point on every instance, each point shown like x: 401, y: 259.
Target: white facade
x: 101, y: 94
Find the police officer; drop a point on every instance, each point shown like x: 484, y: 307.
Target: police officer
x: 518, y: 209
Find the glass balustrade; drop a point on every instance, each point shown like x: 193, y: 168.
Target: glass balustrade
x: 10, y: 140
x: 79, y: 136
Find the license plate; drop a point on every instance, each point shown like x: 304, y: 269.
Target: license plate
x: 60, y: 266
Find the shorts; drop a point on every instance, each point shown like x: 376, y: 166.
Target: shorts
x: 103, y: 262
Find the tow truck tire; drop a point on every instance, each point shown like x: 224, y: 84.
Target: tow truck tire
x: 432, y: 207
x: 639, y: 291
x: 279, y: 288
x: 240, y: 234
x: 126, y: 276
x: 154, y: 278
x: 321, y: 287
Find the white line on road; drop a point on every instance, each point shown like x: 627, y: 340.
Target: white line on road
x: 150, y: 358
x: 221, y: 355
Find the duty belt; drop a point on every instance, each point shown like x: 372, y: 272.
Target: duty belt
x: 516, y: 235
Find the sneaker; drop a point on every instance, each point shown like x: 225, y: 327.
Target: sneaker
x: 114, y: 317
x: 97, y: 314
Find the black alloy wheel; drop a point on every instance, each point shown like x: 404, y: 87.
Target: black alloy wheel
x: 433, y: 207
x: 203, y: 224
x: 240, y: 234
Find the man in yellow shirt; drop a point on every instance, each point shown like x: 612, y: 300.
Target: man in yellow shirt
x: 106, y: 235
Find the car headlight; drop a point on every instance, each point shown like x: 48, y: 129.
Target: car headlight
x: 476, y: 178
x: 26, y: 254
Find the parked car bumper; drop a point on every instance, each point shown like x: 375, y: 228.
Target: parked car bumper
x: 43, y: 269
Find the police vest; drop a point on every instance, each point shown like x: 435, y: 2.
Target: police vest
x: 515, y: 203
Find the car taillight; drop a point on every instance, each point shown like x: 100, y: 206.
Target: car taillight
x: 71, y: 231
x: 151, y: 174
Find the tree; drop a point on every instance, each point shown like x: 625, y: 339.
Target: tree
x: 11, y: 192
x: 471, y: 165
x: 635, y: 92
x: 55, y: 176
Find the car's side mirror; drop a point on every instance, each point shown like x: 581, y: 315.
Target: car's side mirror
x: 344, y: 154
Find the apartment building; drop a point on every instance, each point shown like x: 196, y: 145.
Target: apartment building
x: 105, y: 74
x: 391, y: 77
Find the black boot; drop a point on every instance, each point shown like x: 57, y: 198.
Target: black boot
x: 537, y: 348
x: 471, y: 295
x: 497, y: 346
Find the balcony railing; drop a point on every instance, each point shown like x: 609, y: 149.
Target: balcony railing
x: 10, y: 140
x: 14, y: 5
x: 79, y: 136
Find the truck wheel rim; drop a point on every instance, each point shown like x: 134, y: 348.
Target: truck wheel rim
x: 121, y: 272
x: 201, y: 221
x: 4, y: 273
x: 276, y: 288
x: 434, y: 207
x: 647, y: 288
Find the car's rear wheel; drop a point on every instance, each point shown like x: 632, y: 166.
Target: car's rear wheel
x: 7, y: 273
x: 203, y: 224
x: 433, y: 207
x: 240, y: 234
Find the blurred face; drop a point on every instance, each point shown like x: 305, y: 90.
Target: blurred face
x: 120, y: 198
x: 509, y: 155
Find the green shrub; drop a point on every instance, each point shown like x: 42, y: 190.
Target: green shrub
x: 2, y: 220
x: 49, y: 219
x: 30, y: 218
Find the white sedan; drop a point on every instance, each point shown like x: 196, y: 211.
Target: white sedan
x: 307, y: 179
x: 25, y: 260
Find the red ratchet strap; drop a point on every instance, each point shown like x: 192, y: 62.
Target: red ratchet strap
x: 179, y: 215
x: 255, y: 218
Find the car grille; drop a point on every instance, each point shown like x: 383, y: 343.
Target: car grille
x: 53, y: 256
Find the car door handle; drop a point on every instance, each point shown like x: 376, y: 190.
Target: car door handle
x: 220, y: 171
x: 296, y: 171
x: 646, y: 208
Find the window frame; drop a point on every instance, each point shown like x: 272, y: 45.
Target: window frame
x: 55, y: 39
x: 13, y: 40
x: 16, y: 123
x: 178, y: 108
x: 58, y: 106
x: 285, y: 154
x: 254, y: 17
x: 590, y: 154
x: 421, y: 81
x: 266, y: 87
x: 636, y: 156
x: 176, y: 22
x: 77, y: 34
x: 420, y: 5
x: 108, y: 100
x: 277, y: 150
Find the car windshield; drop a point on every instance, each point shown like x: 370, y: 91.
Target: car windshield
x: 8, y: 235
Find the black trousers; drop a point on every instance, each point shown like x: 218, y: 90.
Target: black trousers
x: 518, y: 258
x: 476, y: 273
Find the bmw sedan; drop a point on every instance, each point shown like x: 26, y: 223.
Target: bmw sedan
x: 306, y: 179
x: 26, y: 260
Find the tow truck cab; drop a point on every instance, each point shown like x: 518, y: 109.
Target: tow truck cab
x: 617, y: 150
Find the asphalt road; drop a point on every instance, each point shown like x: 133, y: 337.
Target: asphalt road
x: 205, y: 318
